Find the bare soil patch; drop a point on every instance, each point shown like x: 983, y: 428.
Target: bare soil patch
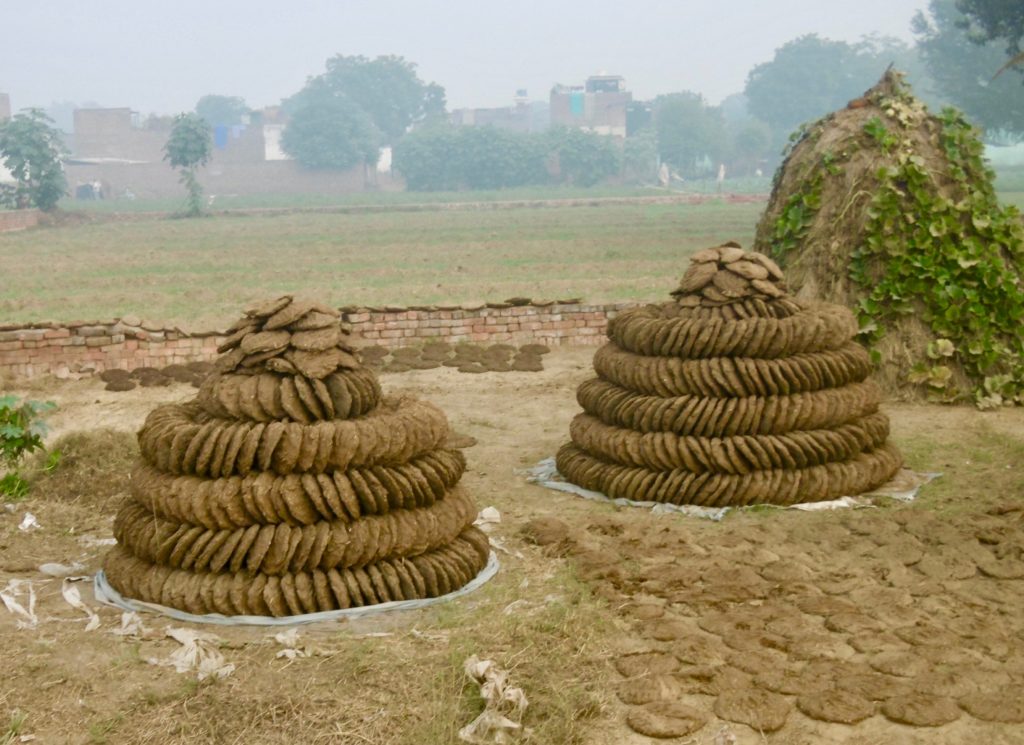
x: 873, y: 617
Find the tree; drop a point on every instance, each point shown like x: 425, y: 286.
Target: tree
x: 429, y: 158
x: 811, y: 76
x: 989, y: 20
x: 188, y: 148
x: 330, y: 131
x: 584, y: 158
x: 640, y: 157
x: 386, y: 88
x: 690, y: 133
x: 31, y: 149
x: 962, y: 69
x: 750, y: 145
x: 221, y: 110
x: 443, y: 157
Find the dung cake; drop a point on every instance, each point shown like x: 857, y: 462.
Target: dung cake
x: 731, y: 393
x: 289, y: 485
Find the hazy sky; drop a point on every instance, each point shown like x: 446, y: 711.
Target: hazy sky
x: 161, y: 57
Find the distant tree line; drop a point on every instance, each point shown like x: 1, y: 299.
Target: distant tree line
x: 443, y: 157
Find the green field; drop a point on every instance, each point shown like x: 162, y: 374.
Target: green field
x: 200, y: 272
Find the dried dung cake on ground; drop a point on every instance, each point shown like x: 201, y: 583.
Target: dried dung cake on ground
x: 890, y: 210
x: 290, y: 486
x: 733, y: 393
x: 463, y: 356
x: 119, y: 380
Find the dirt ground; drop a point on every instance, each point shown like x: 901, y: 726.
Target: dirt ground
x: 892, y: 624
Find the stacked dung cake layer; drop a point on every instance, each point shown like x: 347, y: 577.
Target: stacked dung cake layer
x: 290, y: 486
x: 733, y: 393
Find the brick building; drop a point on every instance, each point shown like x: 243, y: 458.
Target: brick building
x: 522, y: 116
x: 599, y: 105
x: 114, y: 148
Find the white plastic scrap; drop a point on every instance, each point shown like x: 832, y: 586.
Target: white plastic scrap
x: 198, y: 652
x: 93, y: 542
x: 487, y: 519
x: 69, y: 590
x: 500, y: 721
x: 29, y: 522
x: 289, y: 639
x: 27, y: 618
x: 59, y: 571
x: 131, y: 625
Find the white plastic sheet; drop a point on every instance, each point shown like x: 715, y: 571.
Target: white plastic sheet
x: 109, y: 596
x: 69, y: 590
x: 904, y: 487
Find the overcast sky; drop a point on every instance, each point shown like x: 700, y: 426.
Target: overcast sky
x: 161, y: 57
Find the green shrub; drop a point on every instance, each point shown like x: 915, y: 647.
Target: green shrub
x: 22, y: 429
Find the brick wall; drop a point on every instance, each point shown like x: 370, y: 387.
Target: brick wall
x: 78, y: 348
x: 18, y: 220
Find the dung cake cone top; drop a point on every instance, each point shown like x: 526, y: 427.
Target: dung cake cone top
x: 732, y: 393
x: 290, y: 485
x: 727, y: 274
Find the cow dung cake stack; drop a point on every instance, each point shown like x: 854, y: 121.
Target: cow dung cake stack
x: 733, y: 393
x: 290, y: 486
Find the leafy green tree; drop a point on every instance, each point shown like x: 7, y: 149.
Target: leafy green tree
x: 492, y: 158
x: 429, y: 159
x: 689, y: 131
x: 31, y: 149
x: 750, y: 144
x: 991, y: 20
x: 188, y: 148
x: 811, y: 76
x: 962, y: 69
x: 331, y: 132
x: 442, y: 157
x: 640, y: 157
x: 386, y: 88
x: 221, y: 110
x: 584, y: 158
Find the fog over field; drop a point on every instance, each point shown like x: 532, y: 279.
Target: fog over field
x: 160, y: 58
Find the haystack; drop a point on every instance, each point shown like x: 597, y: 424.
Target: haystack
x: 290, y: 486
x: 733, y: 393
x: 890, y: 210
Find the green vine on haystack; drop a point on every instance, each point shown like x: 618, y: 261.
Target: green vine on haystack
x: 892, y: 210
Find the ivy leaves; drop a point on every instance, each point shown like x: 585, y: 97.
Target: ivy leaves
x: 950, y: 260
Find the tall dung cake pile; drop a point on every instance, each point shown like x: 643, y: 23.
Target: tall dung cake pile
x: 288, y: 485
x: 733, y: 393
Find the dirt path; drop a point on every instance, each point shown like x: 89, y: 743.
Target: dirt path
x: 771, y: 626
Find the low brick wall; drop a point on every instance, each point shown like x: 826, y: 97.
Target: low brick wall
x: 11, y: 220
x: 78, y: 348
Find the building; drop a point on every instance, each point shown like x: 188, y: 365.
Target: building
x: 599, y: 105
x: 522, y: 116
x: 5, y: 107
x: 116, y: 154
